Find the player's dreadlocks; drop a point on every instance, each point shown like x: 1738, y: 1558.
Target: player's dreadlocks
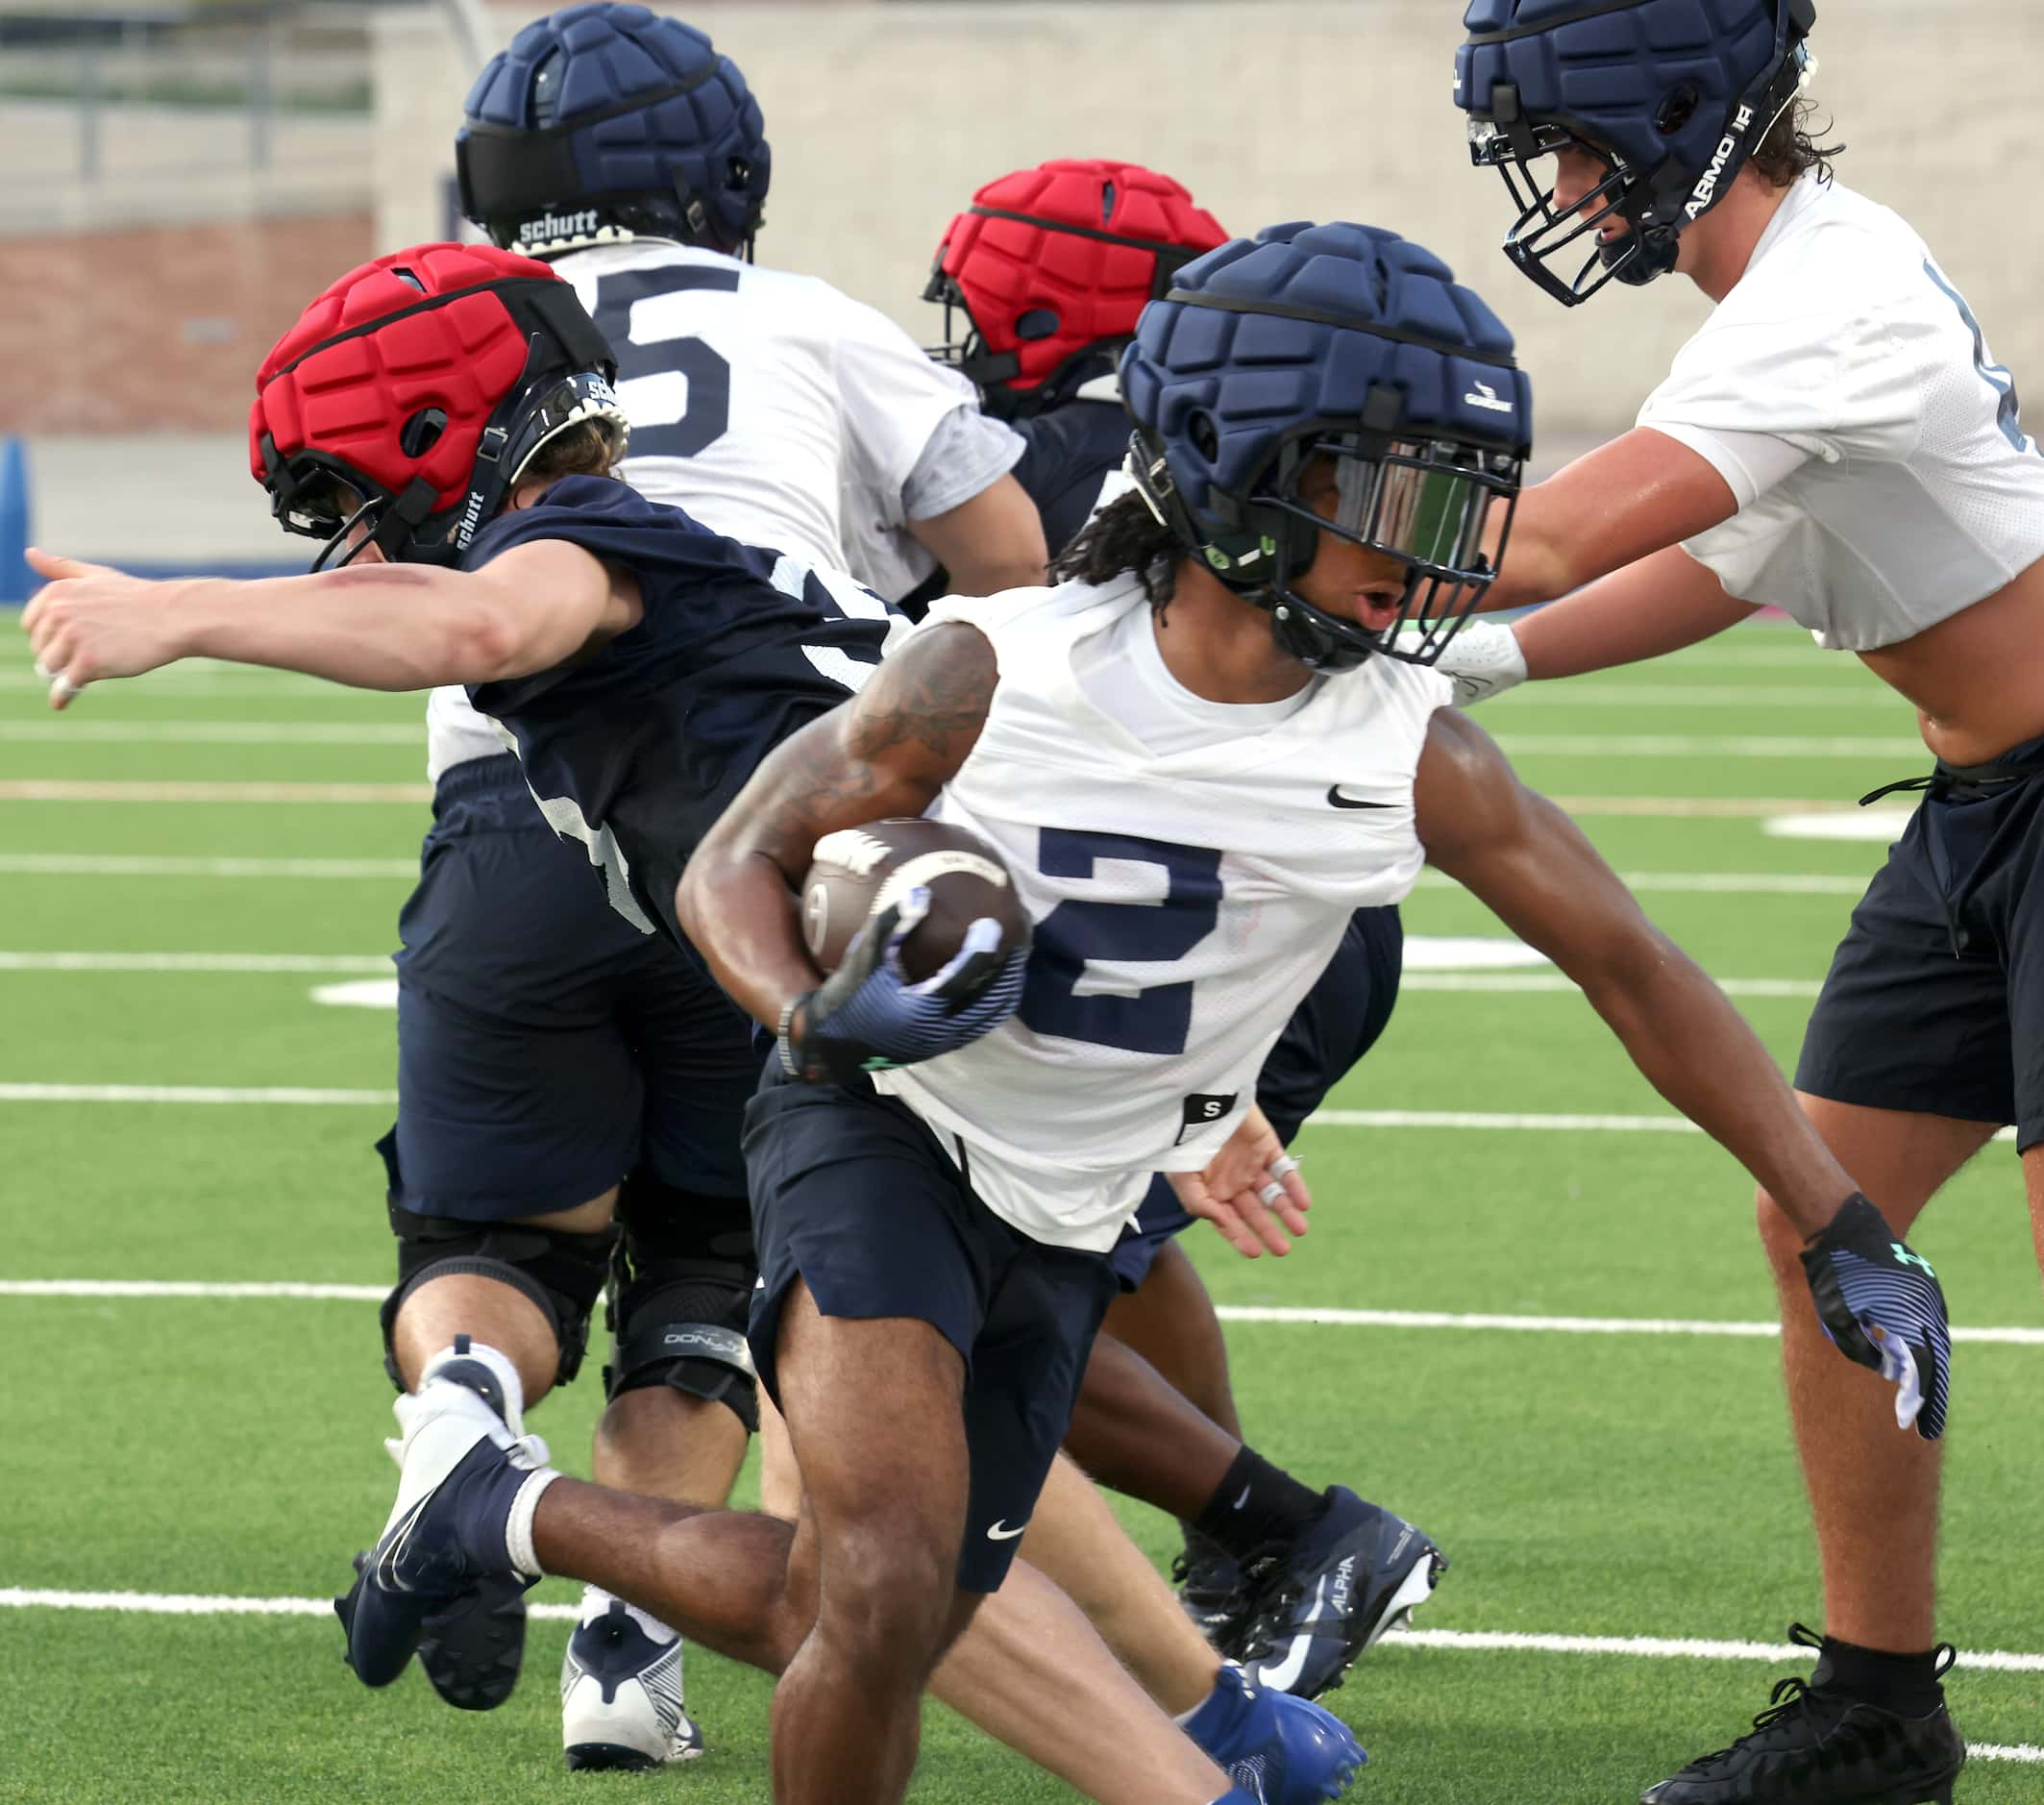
x: 1123, y: 537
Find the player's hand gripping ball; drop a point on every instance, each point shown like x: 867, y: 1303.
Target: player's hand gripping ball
x: 925, y: 941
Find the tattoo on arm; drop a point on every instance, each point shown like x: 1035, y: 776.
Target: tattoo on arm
x: 887, y: 752
x: 932, y: 695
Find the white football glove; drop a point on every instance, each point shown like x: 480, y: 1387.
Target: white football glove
x: 1483, y: 660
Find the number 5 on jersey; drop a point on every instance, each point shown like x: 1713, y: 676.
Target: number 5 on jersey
x: 675, y: 389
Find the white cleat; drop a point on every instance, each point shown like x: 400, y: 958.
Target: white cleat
x: 621, y: 1689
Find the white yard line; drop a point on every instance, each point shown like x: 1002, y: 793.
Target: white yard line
x: 1689, y: 883
x: 207, y: 1094
x: 216, y: 733
x: 1461, y: 1640
x: 1683, y: 807
x: 145, y: 865
x: 1554, y: 983
x: 1701, y: 696
x: 182, y: 681
x: 1905, y: 753
x: 234, y: 962
x: 1292, y: 1315
x: 297, y: 795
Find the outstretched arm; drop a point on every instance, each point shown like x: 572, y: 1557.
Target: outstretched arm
x: 1610, y: 507
x: 1880, y: 1302
x: 886, y: 752
x: 1525, y: 858
x: 374, y: 626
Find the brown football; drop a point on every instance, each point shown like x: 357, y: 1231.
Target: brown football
x: 857, y: 869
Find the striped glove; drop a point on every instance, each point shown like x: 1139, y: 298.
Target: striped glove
x: 1882, y: 1306
x: 868, y: 1015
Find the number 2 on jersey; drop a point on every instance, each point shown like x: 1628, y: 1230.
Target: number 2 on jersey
x: 1155, y: 1020
x: 677, y: 390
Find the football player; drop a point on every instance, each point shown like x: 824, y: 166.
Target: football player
x: 1043, y: 278
x: 1837, y: 441
x: 1149, y: 744
x: 450, y: 408
x: 546, y: 1046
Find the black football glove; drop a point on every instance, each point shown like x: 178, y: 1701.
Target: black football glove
x: 868, y: 1015
x: 1882, y: 1306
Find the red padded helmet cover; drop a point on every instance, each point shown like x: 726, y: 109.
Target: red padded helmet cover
x: 1006, y: 267
x: 343, y: 387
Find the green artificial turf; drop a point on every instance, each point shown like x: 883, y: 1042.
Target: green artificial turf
x: 1594, y: 1485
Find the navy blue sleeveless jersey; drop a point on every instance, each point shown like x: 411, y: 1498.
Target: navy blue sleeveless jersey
x: 636, y: 750
x: 1070, y: 449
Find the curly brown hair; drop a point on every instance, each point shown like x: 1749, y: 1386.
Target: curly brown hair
x: 1790, y: 149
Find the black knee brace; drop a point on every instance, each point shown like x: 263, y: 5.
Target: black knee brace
x: 680, y: 1290
x: 563, y: 1275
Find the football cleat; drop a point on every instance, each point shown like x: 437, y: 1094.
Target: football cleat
x: 1278, y: 1750
x: 621, y: 1691
x: 460, y: 1474
x: 1814, y: 1746
x: 1213, y: 1593
x: 1317, y: 1604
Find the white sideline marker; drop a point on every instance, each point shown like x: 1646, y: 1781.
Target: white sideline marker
x: 1305, y: 1314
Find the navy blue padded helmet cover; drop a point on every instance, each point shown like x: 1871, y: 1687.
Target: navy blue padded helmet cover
x: 1260, y: 378
x: 610, y: 54
x: 1609, y: 77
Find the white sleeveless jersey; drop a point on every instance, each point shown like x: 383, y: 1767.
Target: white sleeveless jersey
x: 1846, y: 392
x: 754, y: 396
x: 1183, y: 906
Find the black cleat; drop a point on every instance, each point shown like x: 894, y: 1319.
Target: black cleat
x: 1814, y: 1746
x: 1214, y: 1593
x: 1321, y: 1601
x: 471, y: 1647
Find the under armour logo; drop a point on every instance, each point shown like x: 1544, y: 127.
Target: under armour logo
x: 1904, y: 1257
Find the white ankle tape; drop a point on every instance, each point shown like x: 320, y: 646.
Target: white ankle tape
x: 518, y: 1528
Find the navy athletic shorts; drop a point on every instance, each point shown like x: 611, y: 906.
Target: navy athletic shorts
x: 853, y: 1195
x: 1342, y: 1017
x: 545, y: 1046
x: 1935, y: 1000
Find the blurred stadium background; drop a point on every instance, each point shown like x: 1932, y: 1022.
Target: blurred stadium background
x: 1533, y: 1317
x: 181, y: 176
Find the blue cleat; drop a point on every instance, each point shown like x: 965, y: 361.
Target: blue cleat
x: 1319, y: 1602
x: 462, y: 1475
x: 1278, y: 1750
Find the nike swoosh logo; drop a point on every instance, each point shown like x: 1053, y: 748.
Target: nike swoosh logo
x: 1335, y: 796
x: 1001, y: 1532
x: 1284, y: 1675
